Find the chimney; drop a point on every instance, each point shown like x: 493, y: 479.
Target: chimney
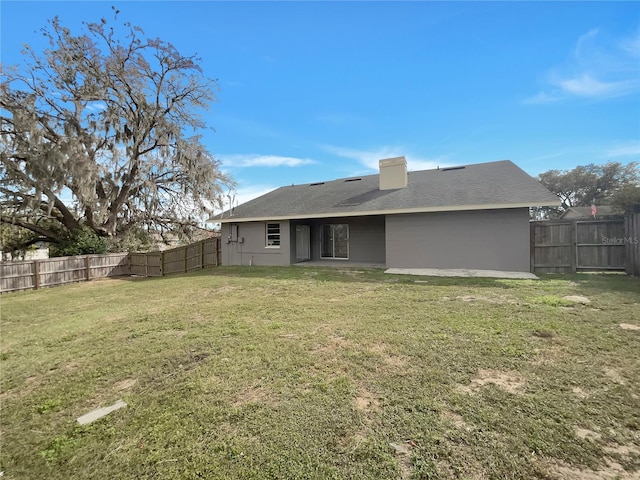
x: 393, y: 173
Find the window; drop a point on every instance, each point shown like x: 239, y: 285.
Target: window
x: 273, y: 235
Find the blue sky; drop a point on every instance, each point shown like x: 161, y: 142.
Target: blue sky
x: 313, y: 91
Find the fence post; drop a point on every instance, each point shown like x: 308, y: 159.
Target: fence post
x: 36, y: 274
x: 87, y: 268
x: 184, y: 258
x: 573, y: 233
x: 202, y: 254
x: 162, y: 264
x: 632, y: 240
x: 532, y: 248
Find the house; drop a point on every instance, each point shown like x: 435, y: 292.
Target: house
x: 585, y: 213
x: 37, y: 251
x: 466, y: 217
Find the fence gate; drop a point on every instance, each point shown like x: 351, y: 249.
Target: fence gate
x: 578, y: 245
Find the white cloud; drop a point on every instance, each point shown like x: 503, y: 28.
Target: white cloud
x: 582, y: 45
x: 255, y: 160
x: 632, y: 45
x: 629, y: 149
x: 599, y: 67
x: 244, y: 194
x: 240, y: 196
x: 585, y: 85
x: 370, y: 158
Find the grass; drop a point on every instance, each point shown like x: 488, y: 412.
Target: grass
x: 301, y: 373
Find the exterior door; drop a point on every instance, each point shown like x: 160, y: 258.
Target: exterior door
x: 334, y: 241
x: 303, y: 243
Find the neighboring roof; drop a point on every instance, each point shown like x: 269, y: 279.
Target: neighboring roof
x: 584, y: 212
x: 470, y: 187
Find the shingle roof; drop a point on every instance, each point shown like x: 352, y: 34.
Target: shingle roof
x: 584, y: 212
x: 472, y: 187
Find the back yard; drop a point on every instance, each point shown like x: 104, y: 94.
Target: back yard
x: 301, y: 373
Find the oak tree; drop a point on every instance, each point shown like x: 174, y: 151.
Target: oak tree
x: 112, y: 121
x: 612, y: 183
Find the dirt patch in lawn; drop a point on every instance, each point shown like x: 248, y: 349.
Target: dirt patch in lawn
x: 175, y: 333
x: 551, y: 354
x: 455, y: 419
x: 614, y: 375
x: 586, y: 434
x: 629, y: 326
x: 125, y: 384
x: 366, y: 402
x: 612, y: 471
x: 623, y: 450
x: 221, y: 290
x: 351, y: 273
x: 379, y: 348
x: 497, y: 299
x: 352, y: 441
x: 254, y: 394
x: 33, y: 382
x: 579, y: 392
x: 510, y: 382
x: 397, y: 363
x: 27, y: 388
x: 335, y: 343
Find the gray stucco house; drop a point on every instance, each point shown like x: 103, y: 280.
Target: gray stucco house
x: 471, y: 217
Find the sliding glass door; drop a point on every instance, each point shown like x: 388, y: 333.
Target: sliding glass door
x: 334, y: 241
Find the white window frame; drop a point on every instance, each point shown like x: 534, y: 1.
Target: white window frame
x: 271, y: 242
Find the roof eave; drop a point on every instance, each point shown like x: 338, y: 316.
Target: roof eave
x: 366, y: 213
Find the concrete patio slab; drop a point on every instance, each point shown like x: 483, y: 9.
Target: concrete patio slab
x: 461, y: 272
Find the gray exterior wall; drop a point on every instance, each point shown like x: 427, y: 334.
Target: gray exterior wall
x: 483, y: 239
x: 366, y: 238
x: 252, y: 249
x: 366, y: 241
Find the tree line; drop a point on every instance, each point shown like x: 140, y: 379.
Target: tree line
x: 613, y: 184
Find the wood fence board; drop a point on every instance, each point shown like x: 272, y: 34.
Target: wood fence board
x: 16, y: 276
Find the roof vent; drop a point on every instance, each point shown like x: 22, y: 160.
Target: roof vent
x: 451, y: 168
x: 393, y: 173
x: 314, y: 184
x: 352, y: 180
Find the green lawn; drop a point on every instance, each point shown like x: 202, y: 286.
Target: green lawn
x: 296, y: 373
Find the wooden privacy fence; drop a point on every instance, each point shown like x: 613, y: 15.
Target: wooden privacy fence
x: 203, y: 254
x: 569, y: 246
x: 50, y: 272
